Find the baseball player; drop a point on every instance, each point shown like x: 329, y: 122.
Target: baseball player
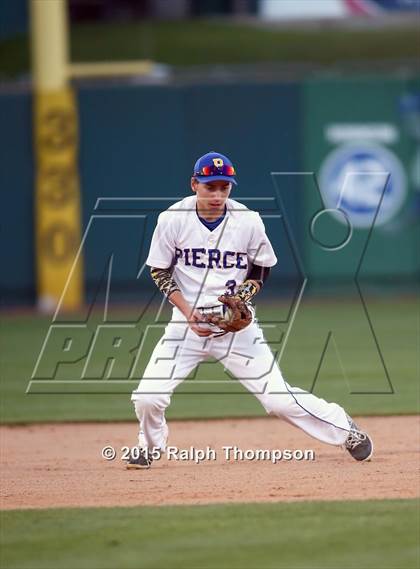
x: 210, y: 256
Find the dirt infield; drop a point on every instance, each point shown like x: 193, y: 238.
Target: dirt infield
x: 60, y: 465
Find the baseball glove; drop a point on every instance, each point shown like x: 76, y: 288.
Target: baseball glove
x: 238, y: 314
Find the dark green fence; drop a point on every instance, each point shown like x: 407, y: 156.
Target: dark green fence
x: 298, y: 148
x: 357, y: 144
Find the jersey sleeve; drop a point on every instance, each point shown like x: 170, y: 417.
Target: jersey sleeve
x: 260, y: 251
x: 162, y: 247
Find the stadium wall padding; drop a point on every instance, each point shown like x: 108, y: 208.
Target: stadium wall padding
x: 17, y: 280
x: 140, y: 142
x: 351, y: 124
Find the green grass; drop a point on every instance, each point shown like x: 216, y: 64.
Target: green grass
x: 351, y: 374
x: 201, y: 42
x: 328, y: 535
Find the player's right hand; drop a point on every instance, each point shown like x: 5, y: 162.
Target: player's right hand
x: 193, y: 322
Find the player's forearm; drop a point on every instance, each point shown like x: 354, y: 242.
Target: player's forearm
x: 253, y: 283
x: 168, y: 286
x: 164, y: 281
x: 177, y: 299
x: 247, y: 290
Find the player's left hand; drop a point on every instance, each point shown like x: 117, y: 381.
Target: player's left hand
x: 238, y: 316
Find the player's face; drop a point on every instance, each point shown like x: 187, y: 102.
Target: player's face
x: 211, y: 196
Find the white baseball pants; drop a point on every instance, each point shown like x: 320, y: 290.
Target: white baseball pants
x: 245, y: 355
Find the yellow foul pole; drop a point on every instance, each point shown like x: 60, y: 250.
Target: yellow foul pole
x: 57, y: 194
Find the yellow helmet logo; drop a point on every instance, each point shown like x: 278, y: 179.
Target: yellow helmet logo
x: 218, y: 162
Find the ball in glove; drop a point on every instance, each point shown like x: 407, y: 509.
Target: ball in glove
x: 236, y: 316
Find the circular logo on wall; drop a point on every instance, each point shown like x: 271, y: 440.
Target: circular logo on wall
x: 356, y: 177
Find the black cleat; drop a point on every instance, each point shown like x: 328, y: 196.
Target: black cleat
x: 139, y: 461
x: 358, y: 443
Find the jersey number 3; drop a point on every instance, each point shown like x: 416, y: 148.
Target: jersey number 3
x: 230, y: 285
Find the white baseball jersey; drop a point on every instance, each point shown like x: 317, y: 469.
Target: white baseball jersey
x: 208, y: 263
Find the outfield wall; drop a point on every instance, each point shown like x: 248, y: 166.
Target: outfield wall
x: 353, y: 125
x: 17, y: 275
x: 141, y: 141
